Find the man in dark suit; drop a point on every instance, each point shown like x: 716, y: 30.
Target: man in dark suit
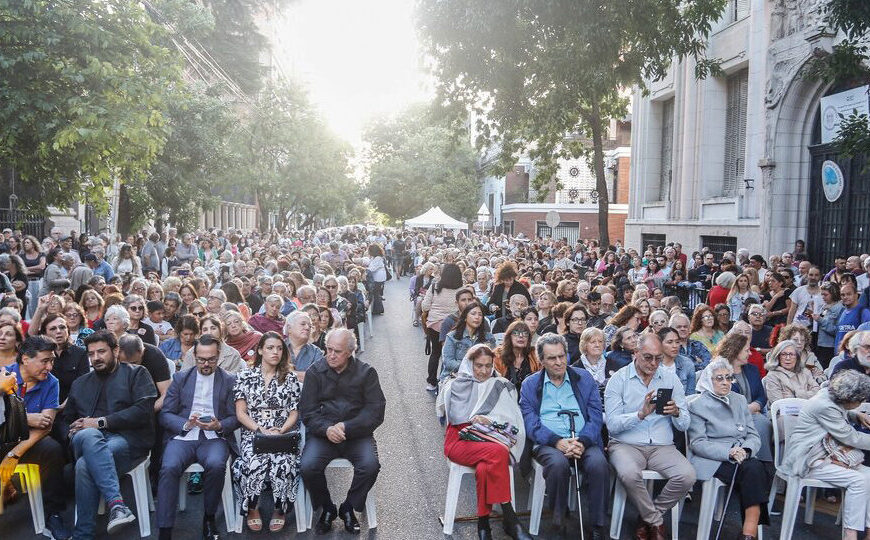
x: 199, y: 417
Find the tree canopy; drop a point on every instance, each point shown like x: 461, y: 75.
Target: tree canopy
x: 546, y: 78
x: 415, y: 163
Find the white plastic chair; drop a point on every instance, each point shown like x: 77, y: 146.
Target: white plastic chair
x: 536, y: 496
x: 142, y: 493
x: 794, y: 484
x: 361, y: 329
x: 371, y: 506
x: 454, y: 486
x: 620, y: 496
x: 230, y: 513
x: 31, y: 482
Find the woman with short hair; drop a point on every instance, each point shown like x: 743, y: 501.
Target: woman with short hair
x: 229, y: 359
x: 787, y: 376
x: 240, y: 336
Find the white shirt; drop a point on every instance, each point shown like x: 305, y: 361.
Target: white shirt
x: 203, y: 403
x: 802, y: 298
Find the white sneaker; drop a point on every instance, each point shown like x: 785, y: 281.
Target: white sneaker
x: 431, y: 387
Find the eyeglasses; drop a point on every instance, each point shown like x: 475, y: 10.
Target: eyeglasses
x: 787, y: 355
x: 330, y: 286
x: 197, y: 313
x: 136, y: 308
x: 520, y: 334
x: 212, y: 360
x: 723, y: 378
x: 757, y: 314
x: 653, y: 358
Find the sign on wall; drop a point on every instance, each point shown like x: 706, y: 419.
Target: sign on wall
x: 832, y: 180
x: 845, y: 103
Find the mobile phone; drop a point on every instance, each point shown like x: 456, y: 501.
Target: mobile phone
x: 663, y: 396
x: 183, y: 272
x: 205, y: 419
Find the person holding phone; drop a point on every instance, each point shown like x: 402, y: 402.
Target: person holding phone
x: 641, y: 432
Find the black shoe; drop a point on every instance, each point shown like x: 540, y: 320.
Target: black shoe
x: 516, y: 531
x: 348, y: 516
x: 324, y: 524
x: 54, y: 524
x: 484, y: 534
x: 600, y: 533
x: 557, y: 531
x: 209, y: 530
x: 119, y: 516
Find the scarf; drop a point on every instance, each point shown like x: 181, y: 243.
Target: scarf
x: 265, y: 324
x: 245, y: 344
x: 705, y: 384
x: 597, y: 371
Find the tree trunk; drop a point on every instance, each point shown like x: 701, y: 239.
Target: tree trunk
x: 600, y: 179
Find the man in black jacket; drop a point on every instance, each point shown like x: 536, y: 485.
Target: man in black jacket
x: 109, y: 420
x: 341, y: 405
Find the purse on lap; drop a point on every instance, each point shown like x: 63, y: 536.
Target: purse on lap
x: 286, y: 443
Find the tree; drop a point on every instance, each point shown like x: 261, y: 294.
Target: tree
x: 83, y: 88
x: 531, y: 72
x: 415, y: 163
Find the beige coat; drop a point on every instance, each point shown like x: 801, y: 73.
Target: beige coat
x: 781, y: 383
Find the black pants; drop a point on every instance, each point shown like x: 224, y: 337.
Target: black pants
x: 49, y: 455
x: 435, y: 345
x: 377, y: 294
x: 752, y: 485
x: 557, y: 476
x: 362, y: 453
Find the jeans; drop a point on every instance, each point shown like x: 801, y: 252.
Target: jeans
x: 100, y: 458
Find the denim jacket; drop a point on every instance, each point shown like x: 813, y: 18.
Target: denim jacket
x: 454, y: 350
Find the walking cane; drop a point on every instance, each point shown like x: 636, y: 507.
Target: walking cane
x: 571, y: 415
x: 727, y: 500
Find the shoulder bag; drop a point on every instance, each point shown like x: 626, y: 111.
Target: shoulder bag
x: 14, y: 428
x: 286, y: 443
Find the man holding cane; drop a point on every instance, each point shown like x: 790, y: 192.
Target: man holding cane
x: 573, y: 392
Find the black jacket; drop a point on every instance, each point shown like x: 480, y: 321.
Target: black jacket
x: 495, y: 299
x: 130, y: 396
x: 71, y: 364
x: 353, y: 396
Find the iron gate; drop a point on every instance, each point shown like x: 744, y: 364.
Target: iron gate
x: 565, y: 229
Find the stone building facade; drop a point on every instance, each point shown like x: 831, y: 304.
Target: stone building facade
x: 737, y: 159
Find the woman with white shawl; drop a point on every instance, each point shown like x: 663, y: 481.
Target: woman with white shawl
x: 477, y: 395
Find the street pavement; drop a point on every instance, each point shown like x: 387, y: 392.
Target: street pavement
x: 413, y: 480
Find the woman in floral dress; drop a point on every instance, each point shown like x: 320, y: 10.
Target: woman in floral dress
x: 267, y: 395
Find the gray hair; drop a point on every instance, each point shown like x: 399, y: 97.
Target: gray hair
x: 293, y: 316
x: 855, y: 342
x: 131, y: 299
x: 120, y: 312
x: 272, y: 298
x: 773, y: 355
x: 849, y: 386
x: 349, y: 337
x: 130, y: 345
x: 674, y: 318
x: 306, y: 288
x: 14, y: 313
x: 550, y: 339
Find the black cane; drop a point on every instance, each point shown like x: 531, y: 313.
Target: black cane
x: 727, y: 500
x: 571, y: 415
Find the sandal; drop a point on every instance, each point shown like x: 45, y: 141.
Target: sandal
x: 276, y: 524
x: 255, y: 524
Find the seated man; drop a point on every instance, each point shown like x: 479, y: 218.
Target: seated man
x: 341, y: 406
x: 642, y: 439
x: 40, y: 390
x: 199, y: 417
x: 556, y: 388
x: 517, y: 304
x: 109, y: 419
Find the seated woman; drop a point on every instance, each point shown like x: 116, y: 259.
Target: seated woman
x: 674, y: 361
x: 621, y: 350
x: 592, y: 356
x: 723, y: 437
x: 658, y: 319
x: 478, y: 395
x: 747, y: 382
x: 787, y: 376
x: 629, y: 316
x: 267, y: 396
x: 530, y: 317
x: 240, y: 336
x: 302, y: 353
x: 515, y: 358
x: 228, y: 358
x: 575, y: 319
x: 704, y: 328
x: 469, y: 330
x: 187, y: 330
x: 823, y: 445
x: 271, y: 320
x: 802, y: 339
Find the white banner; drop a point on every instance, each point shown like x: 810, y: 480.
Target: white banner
x: 854, y: 100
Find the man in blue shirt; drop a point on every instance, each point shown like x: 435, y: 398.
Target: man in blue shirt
x: 39, y: 390
x: 642, y: 439
x: 100, y: 267
x: 544, y: 394
x: 854, y: 314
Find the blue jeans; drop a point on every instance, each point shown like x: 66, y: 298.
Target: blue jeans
x: 100, y: 458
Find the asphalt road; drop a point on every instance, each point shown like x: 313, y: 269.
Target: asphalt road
x: 413, y: 480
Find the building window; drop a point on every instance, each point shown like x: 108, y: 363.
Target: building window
x: 508, y: 227
x: 735, y: 132
x: 654, y: 240
x: 719, y: 244
x: 565, y: 229
x: 667, y: 153
x: 737, y: 9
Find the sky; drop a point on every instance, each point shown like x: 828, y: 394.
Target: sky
x: 357, y: 58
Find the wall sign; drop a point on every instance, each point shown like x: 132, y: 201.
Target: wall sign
x: 845, y: 103
x: 832, y: 180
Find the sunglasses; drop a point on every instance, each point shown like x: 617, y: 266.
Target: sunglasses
x: 136, y: 308
x: 521, y: 334
x: 723, y: 378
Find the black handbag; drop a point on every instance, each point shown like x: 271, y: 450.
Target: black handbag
x: 14, y: 428
x: 287, y: 443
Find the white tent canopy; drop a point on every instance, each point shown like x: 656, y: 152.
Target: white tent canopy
x: 433, y: 218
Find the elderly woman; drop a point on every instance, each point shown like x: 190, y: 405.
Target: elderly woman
x: 228, y: 358
x: 515, y: 358
x: 482, y: 285
x: 302, y: 353
x: 658, y: 319
x: 592, y: 356
x: 747, y: 382
x: 469, y: 330
x: 823, y: 445
x: 801, y: 337
x: 135, y: 306
x: 723, y: 438
x: 271, y: 320
x: 267, y: 396
x: 71, y: 361
x: 240, y: 336
x: 787, y: 376
x: 478, y: 396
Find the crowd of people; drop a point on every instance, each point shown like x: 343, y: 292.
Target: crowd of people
x: 239, y: 351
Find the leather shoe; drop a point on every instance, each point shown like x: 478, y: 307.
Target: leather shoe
x: 516, y: 531
x: 557, y: 531
x: 351, y: 524
x: 210, y: 530
x: 484, y: 534
x: 742, y: 536
x: 600, y: 533
x: 643, y: 531
x: 324, y: 524
x: 658, y: 531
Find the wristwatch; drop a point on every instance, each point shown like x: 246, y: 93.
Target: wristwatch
x: 13, y: 456
x: 101, y: 423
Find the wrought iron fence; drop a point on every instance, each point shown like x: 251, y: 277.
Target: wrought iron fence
x: 28, y: 223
